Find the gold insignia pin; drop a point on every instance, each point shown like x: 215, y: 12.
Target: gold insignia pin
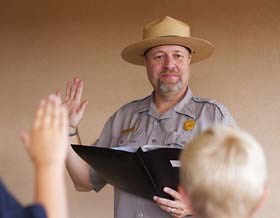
x: 189, y: 125
x: 126, y: 131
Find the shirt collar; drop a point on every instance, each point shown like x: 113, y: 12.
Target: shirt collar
x: 185, y: 106
x: 145, y: 104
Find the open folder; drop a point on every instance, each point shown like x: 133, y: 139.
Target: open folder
x: 143, y: 173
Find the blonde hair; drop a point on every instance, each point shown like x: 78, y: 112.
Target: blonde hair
x: 224, y: 173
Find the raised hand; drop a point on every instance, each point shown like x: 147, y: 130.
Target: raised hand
x: 47, y: 144
x: 73, y: 103
x: 47, y: 141
x: 177, y: 207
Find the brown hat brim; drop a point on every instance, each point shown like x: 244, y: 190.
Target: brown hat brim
x: 201, y: 49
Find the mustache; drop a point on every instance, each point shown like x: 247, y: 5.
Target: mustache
x: 168, y: 71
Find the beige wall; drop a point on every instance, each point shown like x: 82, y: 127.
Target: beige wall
x: 42, y: 45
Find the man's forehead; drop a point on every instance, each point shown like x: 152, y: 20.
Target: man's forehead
x: 167, y: 48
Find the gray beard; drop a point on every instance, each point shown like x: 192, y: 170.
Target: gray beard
x: 169, y: 88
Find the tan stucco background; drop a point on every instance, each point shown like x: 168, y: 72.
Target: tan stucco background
x: 45, y: 43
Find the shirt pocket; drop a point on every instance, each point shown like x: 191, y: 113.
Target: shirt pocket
x: 134, y: 138
x: 177, y: 139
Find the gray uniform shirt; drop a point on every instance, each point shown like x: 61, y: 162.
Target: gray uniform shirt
x: 138, y: 123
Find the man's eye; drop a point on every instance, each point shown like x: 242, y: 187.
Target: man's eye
x: 179, y: 56
x: 158, y: 57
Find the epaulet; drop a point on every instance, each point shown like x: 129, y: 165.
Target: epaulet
x: 135, y: 101
x: 219, y: 106
x: 204, y: 100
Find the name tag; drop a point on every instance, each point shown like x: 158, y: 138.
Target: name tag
x: 126, y: 131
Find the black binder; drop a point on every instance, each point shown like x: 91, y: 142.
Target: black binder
x: 140, y: 173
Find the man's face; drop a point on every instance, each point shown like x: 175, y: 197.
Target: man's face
x: 168, y: 68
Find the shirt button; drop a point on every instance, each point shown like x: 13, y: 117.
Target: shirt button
x: 141, y: 215
x: 154, y: 140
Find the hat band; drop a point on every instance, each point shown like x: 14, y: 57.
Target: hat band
x: 189, y: 49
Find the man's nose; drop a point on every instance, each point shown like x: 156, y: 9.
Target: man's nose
x: 169, y: 63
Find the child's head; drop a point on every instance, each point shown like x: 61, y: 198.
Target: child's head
x: 223, y: 173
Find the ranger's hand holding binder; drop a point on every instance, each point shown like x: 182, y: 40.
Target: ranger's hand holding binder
x: 143, y: 173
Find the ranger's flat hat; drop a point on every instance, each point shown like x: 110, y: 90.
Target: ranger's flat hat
x: 167, y: 31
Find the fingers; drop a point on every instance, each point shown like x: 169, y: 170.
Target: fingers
x: 174, y: 212
x: 175, y: 207
x: 48, y: 112
x: 39, y: 114
x: 79, y: 89
x: 169, y: 206
x: 47, y: 116
x: 164, y: 203
x: 74, y: 89
x: 50, y: 128
x: 68, y: 90
x: 82, y: 107
x: 63, y: 120
x: 176, y: 195
x: 58, y: 94
x: 55, y: 110
x: 73, y: 101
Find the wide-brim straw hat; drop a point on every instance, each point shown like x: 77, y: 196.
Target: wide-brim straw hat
x: 167, y: 31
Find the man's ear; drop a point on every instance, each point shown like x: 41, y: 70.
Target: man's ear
x: 190, y: 58
x: 185, y: 196
x: 145, y: 61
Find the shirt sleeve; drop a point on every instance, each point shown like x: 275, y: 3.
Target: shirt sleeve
x: 11, y: 208
x: 224, y: 117
x: 105, y: 140
x: 35, y: 211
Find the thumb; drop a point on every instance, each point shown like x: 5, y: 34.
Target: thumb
x: 83, y: 107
